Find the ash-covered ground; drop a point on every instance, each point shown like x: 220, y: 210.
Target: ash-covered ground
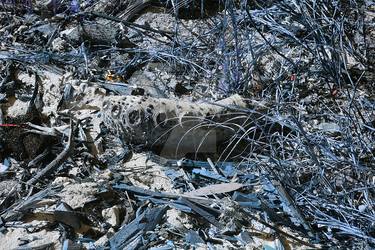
x: 187, y: 124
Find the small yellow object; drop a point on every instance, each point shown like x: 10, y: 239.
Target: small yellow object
x: 113, y: 77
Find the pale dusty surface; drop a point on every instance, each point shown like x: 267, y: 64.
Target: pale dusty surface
x: 16, y: 237
x: 76, y: 195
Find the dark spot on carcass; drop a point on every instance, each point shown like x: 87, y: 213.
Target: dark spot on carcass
x: 136, y: 117
x: 149, y: 109
x: 115, y: 111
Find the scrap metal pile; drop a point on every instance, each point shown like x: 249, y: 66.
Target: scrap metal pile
x: 170, y: 124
